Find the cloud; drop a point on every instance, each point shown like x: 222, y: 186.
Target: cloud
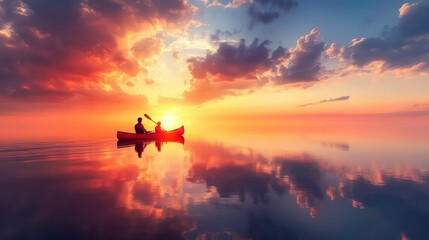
x: 421, y: 106
x: 235, y: 69
x: 304, y: 64
x: 90, y: 99
x: 405, y: 45
x: 259, y: 11
x: 265, y: 11
x: 228, y: 70
x: 232, y: 62
x: 72, y: 47
x: 231, y: 4
x: 169, y: 100
x: 343, y: 98
x: 336, y: 145
x: 217, y: 37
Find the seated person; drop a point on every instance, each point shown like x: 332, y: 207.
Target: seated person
x: 139, y: 128
x: 158, y: 128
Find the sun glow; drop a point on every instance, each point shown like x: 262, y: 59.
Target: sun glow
x: 169, y: 121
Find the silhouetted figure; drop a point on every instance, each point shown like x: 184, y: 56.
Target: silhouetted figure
x: 139, y: 128
x: 158, y: 128
x: 140, y: 146
x: 158, y: 145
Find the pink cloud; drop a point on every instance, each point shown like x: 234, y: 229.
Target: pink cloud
x: 238, y: 69
x: 69, y: 48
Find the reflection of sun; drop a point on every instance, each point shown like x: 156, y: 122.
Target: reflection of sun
x: 169, y: 122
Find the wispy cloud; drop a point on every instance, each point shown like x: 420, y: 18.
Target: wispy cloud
x: 420, y: 106
x: 336, y: 145
x: 343, y: 98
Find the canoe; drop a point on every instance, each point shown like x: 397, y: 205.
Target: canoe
x: 164, y: 135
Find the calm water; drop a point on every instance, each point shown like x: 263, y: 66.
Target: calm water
x: 299, y: 186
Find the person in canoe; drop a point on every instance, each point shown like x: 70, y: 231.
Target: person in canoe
x: 158, y: 128
x: 139, y: 128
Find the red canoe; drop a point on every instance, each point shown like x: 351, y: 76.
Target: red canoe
x: 164, y: 135
x: 132, y: 142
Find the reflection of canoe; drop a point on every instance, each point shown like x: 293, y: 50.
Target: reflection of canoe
x: 152, y: 136
x: 132, y: 142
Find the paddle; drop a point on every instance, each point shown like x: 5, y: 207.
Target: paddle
x: 147, y: 116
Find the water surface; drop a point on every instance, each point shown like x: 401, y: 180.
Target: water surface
x: 275, y: 186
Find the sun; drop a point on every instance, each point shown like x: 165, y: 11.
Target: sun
x: 169, y: 121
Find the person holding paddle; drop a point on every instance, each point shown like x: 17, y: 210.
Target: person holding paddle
x: 158, y: 128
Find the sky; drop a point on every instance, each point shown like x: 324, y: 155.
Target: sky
x: 65, y: 63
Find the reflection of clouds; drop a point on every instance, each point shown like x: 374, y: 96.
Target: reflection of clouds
x: 214, y: 154
x: 399, y: 193
x: 236, y: 172
x: 377, y: 175
x: 303, y: 176
x: 119, y: 195
x: 232, y: 171
x: 146, y: 192
x: 402, y: 202
x: 232, y: 180
x: 262, y: 227
x: 220, y: 235
x: 336, y: 145
x: 243, y: 172
x: 83, y: 198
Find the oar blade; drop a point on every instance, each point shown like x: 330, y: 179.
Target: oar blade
x: 147, y: 116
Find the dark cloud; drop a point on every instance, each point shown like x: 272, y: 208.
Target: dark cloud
x: 218, y: 35
x: 402, y: 46
x: 229, y: 69
x: 343, y: 98
x: 265, y: 11
x: 232, y: 62
x: 305, y: 60
x: 235, y: 68
x: 64, y: 48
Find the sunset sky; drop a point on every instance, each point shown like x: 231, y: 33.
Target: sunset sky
x: 62, y: 61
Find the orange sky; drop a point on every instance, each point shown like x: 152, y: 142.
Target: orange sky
x: 84, y: 69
